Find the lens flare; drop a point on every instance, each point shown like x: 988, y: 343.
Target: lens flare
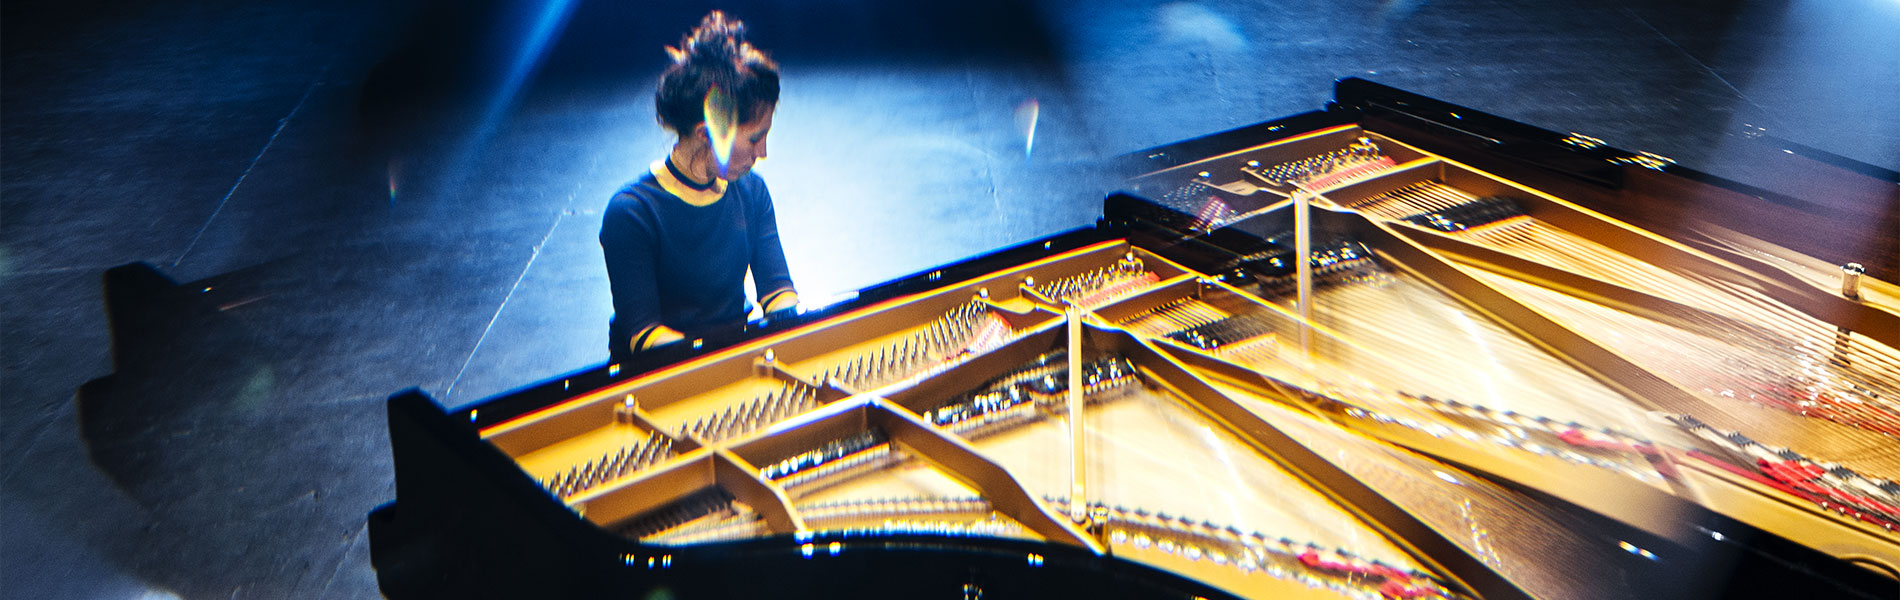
x: 1026, y: 114
x: 394, y: 166
x: 721, y: 129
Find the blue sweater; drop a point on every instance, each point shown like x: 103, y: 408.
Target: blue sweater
x: 683, y: 266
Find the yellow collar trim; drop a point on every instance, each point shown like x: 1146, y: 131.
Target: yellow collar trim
x: 673, y: 186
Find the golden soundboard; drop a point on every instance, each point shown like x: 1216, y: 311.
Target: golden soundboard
x: 1394, y: 349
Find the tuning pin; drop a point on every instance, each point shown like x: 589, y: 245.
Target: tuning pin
x: 642, y: 453
x: 613, y: 461
x: 624, y: 463
x: 782, y: 406
x: 754, y: 416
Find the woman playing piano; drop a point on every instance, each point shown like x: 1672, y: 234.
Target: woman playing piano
x: 680, y: 239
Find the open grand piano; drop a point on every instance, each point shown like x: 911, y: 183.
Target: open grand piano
x: 1392, y: 349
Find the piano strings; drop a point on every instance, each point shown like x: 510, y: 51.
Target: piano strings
x: 1869, y: 499
x: 1849, y: 378
x: 1770, y: 324
x: 1469, y: 508
x: 1387, y: 320
x: 1735, y: 355
x: 1857, y: 424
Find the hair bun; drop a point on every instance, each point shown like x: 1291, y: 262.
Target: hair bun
x: 716, y: 41
x: 714, y: 55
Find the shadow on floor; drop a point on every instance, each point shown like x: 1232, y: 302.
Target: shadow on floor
x: 195, y: 427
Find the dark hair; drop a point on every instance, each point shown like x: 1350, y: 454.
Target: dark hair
x: 715, y: 55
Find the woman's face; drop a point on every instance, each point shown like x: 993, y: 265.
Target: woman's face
x: 748, y: 145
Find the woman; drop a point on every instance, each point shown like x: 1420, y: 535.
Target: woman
x: 678, y: 241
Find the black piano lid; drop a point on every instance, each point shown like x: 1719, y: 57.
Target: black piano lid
x: 1360, y: 97
x: 1592, y: 160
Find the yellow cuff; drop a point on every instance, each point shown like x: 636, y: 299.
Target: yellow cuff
x: 654, y: 336
x: 781, y: 300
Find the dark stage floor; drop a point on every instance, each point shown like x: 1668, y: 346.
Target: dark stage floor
x: 368, y: 196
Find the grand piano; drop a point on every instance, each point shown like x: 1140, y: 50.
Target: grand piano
x: 1395, y: 348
